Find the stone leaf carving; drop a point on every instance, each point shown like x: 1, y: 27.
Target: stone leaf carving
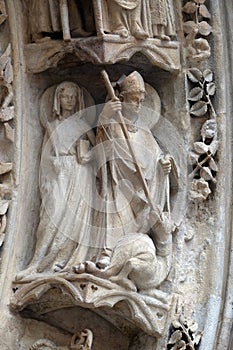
x: 201, y: 95
x: 3, y: 210
x: 203, y: 156
x: 203, y: 161
x: 6, y: 95
x: 196, y: 27
x: 185, y: 335
x: 6, y: 115
x: 6, y: 78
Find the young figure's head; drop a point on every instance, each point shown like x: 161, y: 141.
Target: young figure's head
x: 132, y: 94
x: 68, y: 100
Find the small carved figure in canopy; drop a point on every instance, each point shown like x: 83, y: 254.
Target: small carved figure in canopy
x: 162, y: 19
x: 138, y: 18
x: 51, y: 18
x: 126, y: 18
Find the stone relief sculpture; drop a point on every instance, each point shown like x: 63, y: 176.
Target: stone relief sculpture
x: 203, y: 157
x: 61, y: 174
x: 124, y: 27
x: 139, y: 203
x: 108, y: 253
x: 196, y: 26
x: 140, y: 19
x: 133, y: 213
x: 49, y: 18
x: 126, y: 18
x: 3, y: 15
x: 205, y: 166
x: 106, y: 209
x: 185, y: 334
x: 6, y: 119
x: 82, y: 340
x: 162, y: 19
x: 79, y: 341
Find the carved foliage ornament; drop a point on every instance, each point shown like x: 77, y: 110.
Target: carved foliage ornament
x: 203, y: 155
x: 6, y: 117
x: 184, y: 335
x: 196, y: 26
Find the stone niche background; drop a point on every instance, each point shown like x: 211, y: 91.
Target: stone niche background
x: 203, y: 273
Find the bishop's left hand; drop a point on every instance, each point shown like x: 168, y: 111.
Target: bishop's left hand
x: 166, y: 164
x: 161, y: 224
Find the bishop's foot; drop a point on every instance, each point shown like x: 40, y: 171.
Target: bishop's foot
x: 58, y: 266
x: 165, y: 37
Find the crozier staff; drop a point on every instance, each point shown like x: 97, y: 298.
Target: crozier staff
x: 132, y: 171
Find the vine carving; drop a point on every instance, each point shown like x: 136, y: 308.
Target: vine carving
x: 203, y: 155
x: 196, y: 29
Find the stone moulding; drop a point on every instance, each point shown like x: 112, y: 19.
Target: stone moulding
x: 106, y: 50
x: 145, y: 312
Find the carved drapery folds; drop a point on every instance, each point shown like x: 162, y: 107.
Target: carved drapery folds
x: 61, y: 19
x: 82, y: 247
x: 103, y: 32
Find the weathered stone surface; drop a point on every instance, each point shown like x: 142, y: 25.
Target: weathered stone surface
x: 115, y: 189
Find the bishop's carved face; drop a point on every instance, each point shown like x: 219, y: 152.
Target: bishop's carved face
x: 68, y: 99
x: 133, y: 103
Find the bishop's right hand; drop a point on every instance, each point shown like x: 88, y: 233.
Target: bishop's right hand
x: 109, y: 110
